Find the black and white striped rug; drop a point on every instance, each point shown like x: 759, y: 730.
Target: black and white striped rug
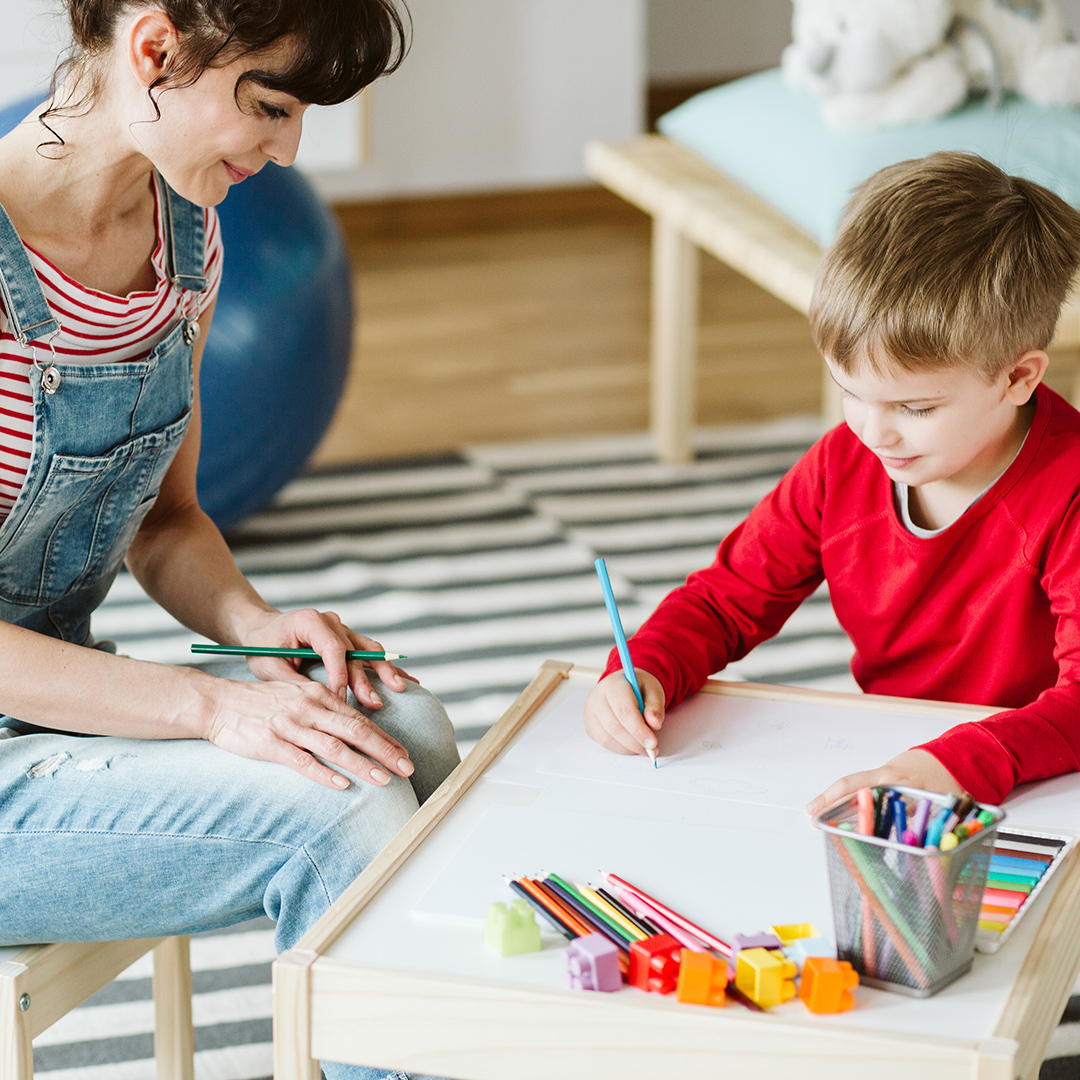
x: 478, y: 566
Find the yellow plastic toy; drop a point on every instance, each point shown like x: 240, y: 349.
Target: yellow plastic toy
x: 765, y: 977
x: 791, y: 932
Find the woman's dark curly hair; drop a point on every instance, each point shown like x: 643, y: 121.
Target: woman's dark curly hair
x: 338, y: 46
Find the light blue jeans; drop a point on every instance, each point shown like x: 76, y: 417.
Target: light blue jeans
x: 106, y: 838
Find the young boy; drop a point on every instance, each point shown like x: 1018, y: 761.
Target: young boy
x: 945, y: 514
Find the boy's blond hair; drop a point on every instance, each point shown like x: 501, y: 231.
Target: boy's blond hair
x: 944, y: 261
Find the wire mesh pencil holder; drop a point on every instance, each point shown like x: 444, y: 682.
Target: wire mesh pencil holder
x: 905, y: 917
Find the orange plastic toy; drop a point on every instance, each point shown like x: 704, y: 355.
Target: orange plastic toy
x: 654, y: 963
x: 827, y: 984
x: 765, y: 977
x: 702, y: 979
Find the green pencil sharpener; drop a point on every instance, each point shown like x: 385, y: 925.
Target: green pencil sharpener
x: 906, y: 916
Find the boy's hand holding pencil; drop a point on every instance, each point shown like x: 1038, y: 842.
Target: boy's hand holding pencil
x: 612, y: 717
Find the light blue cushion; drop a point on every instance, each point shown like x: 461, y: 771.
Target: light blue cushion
x: 772, y: 141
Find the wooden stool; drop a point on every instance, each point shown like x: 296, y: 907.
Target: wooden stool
x: 40, y: 983
x: 694, y: 206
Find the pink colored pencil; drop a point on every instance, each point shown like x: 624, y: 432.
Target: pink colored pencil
x: 639, y: 907
x: 672, y: 916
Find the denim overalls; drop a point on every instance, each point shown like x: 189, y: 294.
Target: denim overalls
x: 104, y: 436
x: 107, y: 838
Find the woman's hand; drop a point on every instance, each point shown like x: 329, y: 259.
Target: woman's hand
x: 612, y: 718
x: 912, y: 768
x: 324, y: 632
x: 295, y: 723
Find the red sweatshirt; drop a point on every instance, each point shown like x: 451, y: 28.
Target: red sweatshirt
x: 987, y: 612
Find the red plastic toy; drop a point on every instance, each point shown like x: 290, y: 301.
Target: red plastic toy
x: 654, y: 963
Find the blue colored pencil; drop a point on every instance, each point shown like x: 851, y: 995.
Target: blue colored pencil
x: 620, y: 642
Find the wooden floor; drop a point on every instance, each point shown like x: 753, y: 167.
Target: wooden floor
x: 522, y: 317
x: 511, y: 329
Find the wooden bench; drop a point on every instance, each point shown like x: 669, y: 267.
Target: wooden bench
x: 694, y: 206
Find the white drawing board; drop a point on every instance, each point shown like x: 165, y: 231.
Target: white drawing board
x: 749, y: 750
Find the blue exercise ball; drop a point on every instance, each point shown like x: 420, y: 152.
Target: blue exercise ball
x: 278, y: 354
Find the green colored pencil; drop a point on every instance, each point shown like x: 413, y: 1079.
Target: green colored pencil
x: 303, y: 654
x: 588, y: 904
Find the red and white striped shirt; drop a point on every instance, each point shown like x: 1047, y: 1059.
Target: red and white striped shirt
x: 95, y: 328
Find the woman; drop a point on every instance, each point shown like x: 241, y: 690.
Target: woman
x: 204, y: 800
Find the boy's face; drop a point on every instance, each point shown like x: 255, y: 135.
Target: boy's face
x: 936, y: 425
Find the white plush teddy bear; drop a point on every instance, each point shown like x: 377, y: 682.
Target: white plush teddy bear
x: 874, y: 62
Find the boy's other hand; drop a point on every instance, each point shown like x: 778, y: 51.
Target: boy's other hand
x: 912, y: 768
x: 612, y: 718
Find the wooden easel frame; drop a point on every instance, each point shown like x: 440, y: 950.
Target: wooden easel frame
x: 489, y: 1026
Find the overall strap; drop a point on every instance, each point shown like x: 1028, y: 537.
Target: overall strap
x: 185, y: 226
x: 24, y: 302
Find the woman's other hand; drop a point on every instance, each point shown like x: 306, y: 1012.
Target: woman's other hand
x: 296, y: 723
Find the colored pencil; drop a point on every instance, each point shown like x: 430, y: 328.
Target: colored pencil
x: 742, y: 999
x: 549, y: 915
x: 583, y: 926
x: 597, y: 901
x: 620, y: 643
x: 590, y: 909
x: 298, y: 654
x: 648, y: 927
x: 682, y: 936
x: 680, y: 920
x: 560, y: 909
x: 629, y: 934
x: 596, y: 923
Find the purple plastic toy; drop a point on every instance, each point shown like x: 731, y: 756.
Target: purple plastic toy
x: 761, y: 940
x: 592, y: 963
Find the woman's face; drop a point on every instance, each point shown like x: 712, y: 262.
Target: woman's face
x: 210, y: 137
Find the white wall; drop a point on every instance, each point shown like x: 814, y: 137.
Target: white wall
x: 31, y: 36
x: 495, y: 94
x: 500, y: 94
x: 693, y: 39
x: 33, y: 33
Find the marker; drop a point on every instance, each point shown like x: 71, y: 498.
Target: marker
x: 922, y: 815
x: 620, y: 644
x: 865, y: 800
x: 899, y: 815
x: 300, y: 654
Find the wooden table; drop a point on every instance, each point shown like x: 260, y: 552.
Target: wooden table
x: 378, y: 980
x: 693, y: 206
